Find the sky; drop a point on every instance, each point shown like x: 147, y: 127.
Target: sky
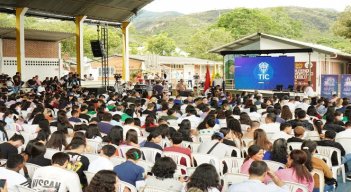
x: 193, y: 6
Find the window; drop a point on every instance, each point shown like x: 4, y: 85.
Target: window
x: 110, y: 71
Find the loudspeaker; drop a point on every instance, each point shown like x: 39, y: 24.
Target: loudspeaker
x: 97, y: 48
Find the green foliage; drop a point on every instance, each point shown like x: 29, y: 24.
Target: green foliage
x: 161, y: 44
x: 204, y: 40
x: 241, y: 22
x: 342, y: 26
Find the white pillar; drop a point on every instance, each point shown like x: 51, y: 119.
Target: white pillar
x: 20, y: 12
x: 1, y: 57
x: 125, y: 50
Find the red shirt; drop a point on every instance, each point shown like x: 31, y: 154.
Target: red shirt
x: 183, y: 150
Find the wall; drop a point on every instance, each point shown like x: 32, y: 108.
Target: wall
x: 33, y: 49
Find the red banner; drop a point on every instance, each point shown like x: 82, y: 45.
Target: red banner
x: 302, y: 72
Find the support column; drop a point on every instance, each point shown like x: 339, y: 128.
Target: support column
x: 79, y: 43
x: 1, y: 57
x: 309, y: 68
x: 20, y: 12
x: 125, y: 51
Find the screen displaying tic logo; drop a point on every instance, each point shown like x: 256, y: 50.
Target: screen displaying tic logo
x: 263, y: 72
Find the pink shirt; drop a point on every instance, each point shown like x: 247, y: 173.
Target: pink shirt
x: 289, y: 174
x: 245, y: 167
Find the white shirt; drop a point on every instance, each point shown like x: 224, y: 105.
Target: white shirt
x: 59, y: 179
x: 303, y: 106
x: 281, y: 134
x: 255, y: 186
x: 309, y: 92
x: 126, y: 128
x: 344, y: 134
x: 12, y: 178
x: 101, y: 163
x: 220, y: 151
x: 194, y: 120
x: 270, y: 127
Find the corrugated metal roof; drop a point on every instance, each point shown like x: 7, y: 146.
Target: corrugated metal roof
x: 256, y: 37
x: 104, y: 10
x: 34, y: 34
x: 178, y: 60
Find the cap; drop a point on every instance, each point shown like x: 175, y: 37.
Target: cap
x: 219, y: 134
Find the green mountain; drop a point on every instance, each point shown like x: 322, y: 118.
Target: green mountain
x: 316, y: 24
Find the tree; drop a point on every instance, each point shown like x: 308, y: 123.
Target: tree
x: 241, y: 22
x: 204, y: 40
x: 342, y: 25
x: 161, y: 44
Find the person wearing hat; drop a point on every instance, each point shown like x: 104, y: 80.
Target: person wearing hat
x: 215, y: 147
x: 299, y: 132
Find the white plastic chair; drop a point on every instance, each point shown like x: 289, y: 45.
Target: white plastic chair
x: 173, y: 123
x: 233, y: 178
x: 204, y: 138
x: 31, y: 169
x: 233, y: 164
x: 191, y: 145
x: 190, y: 171
x: 95, y: 145
x: 180, y: 171
x: 328, y: 151
x: 117, y: 160
x: 91, y: 156
x: 21, y: 188
x: 123, y: 185
x: 346, y: 143
x: 294, y: 145
x: 89, y: 175
x: 84, y: 121
x: 222, y: 122
x: 152, y: 189
x: 295, y: 187
x: 150, y: 154
x: 123, y: 149
x: 146, y: 165
x: 320, y: 175
x: 177, y: 157
x: 274, y: 166
x: 206, y: 158
x: 246, y: 141
x: 53, y: 129
x: 3, y: 161
x: 313, y: 135
x: 50, y: 152
x: 237, y: 151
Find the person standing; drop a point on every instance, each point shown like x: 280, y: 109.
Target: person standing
x: 180, y: 86
x: 309, y: 90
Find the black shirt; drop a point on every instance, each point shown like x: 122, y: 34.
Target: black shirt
x: 7, y: 149
x: 84, y: 116
x: 295, y: 139
x: 79, y: 163
x: 40, y: 160
x: 333, y: 127
x: 152, y: 145
x: 304, y: 123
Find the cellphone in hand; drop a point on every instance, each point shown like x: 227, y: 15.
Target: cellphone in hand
x: 2, y: 183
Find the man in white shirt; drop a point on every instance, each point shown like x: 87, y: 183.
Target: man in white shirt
x: 191, y: 116
x: 285, y: 132
x: 258, y: 171
x: 56, y: 177
x: 215, y: 147
x: 304, y: 105
x: 103, y: 162
x: 309, y: 90
x: 270, y: 125
x: 14, y: 163
x: 129, y: 124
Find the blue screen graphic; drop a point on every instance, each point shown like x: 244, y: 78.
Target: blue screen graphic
x: 264, y: 73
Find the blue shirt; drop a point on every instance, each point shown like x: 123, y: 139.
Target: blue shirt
x: 129, y: 172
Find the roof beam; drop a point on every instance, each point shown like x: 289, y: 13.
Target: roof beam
x: 268, y: 51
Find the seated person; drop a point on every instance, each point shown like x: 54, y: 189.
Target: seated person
x: 10, y: 173
x: 177, y: 139
x: 11, y: 147
x: 299, y: 132
x: 103, y: 162
x: 215, y: 147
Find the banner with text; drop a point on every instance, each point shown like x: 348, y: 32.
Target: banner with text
x: 329, y: 85
x: 301, y: 74
x: 346, y: 86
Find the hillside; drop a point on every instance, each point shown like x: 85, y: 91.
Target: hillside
x: 316, y: 24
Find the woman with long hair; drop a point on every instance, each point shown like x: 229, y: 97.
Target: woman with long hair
x: 132, y: 138
x: 205, y: 178
x: 255, y: 153
x: 93, y: 133
x: 286, y: 113
x: 154, y: 140
x: 260, y: 139
x: 115, y: 136
x: 296, y: 170
x: 279, y: 152
x: 315, y: 163
x: 103, y: 181
x: 185, y: 129
x: 235, y: 127
x: 312, y: 112
x: 57, y: 141
x: 245, y: 119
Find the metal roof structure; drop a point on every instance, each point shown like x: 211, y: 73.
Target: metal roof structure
x: 257, y: 36
x: 102, y: 10
x: 178, y: 60
x: 34, y: 34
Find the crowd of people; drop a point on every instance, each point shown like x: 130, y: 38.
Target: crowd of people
x: 70, y: 120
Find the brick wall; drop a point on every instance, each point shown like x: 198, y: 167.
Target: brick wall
x: 33, y: 49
